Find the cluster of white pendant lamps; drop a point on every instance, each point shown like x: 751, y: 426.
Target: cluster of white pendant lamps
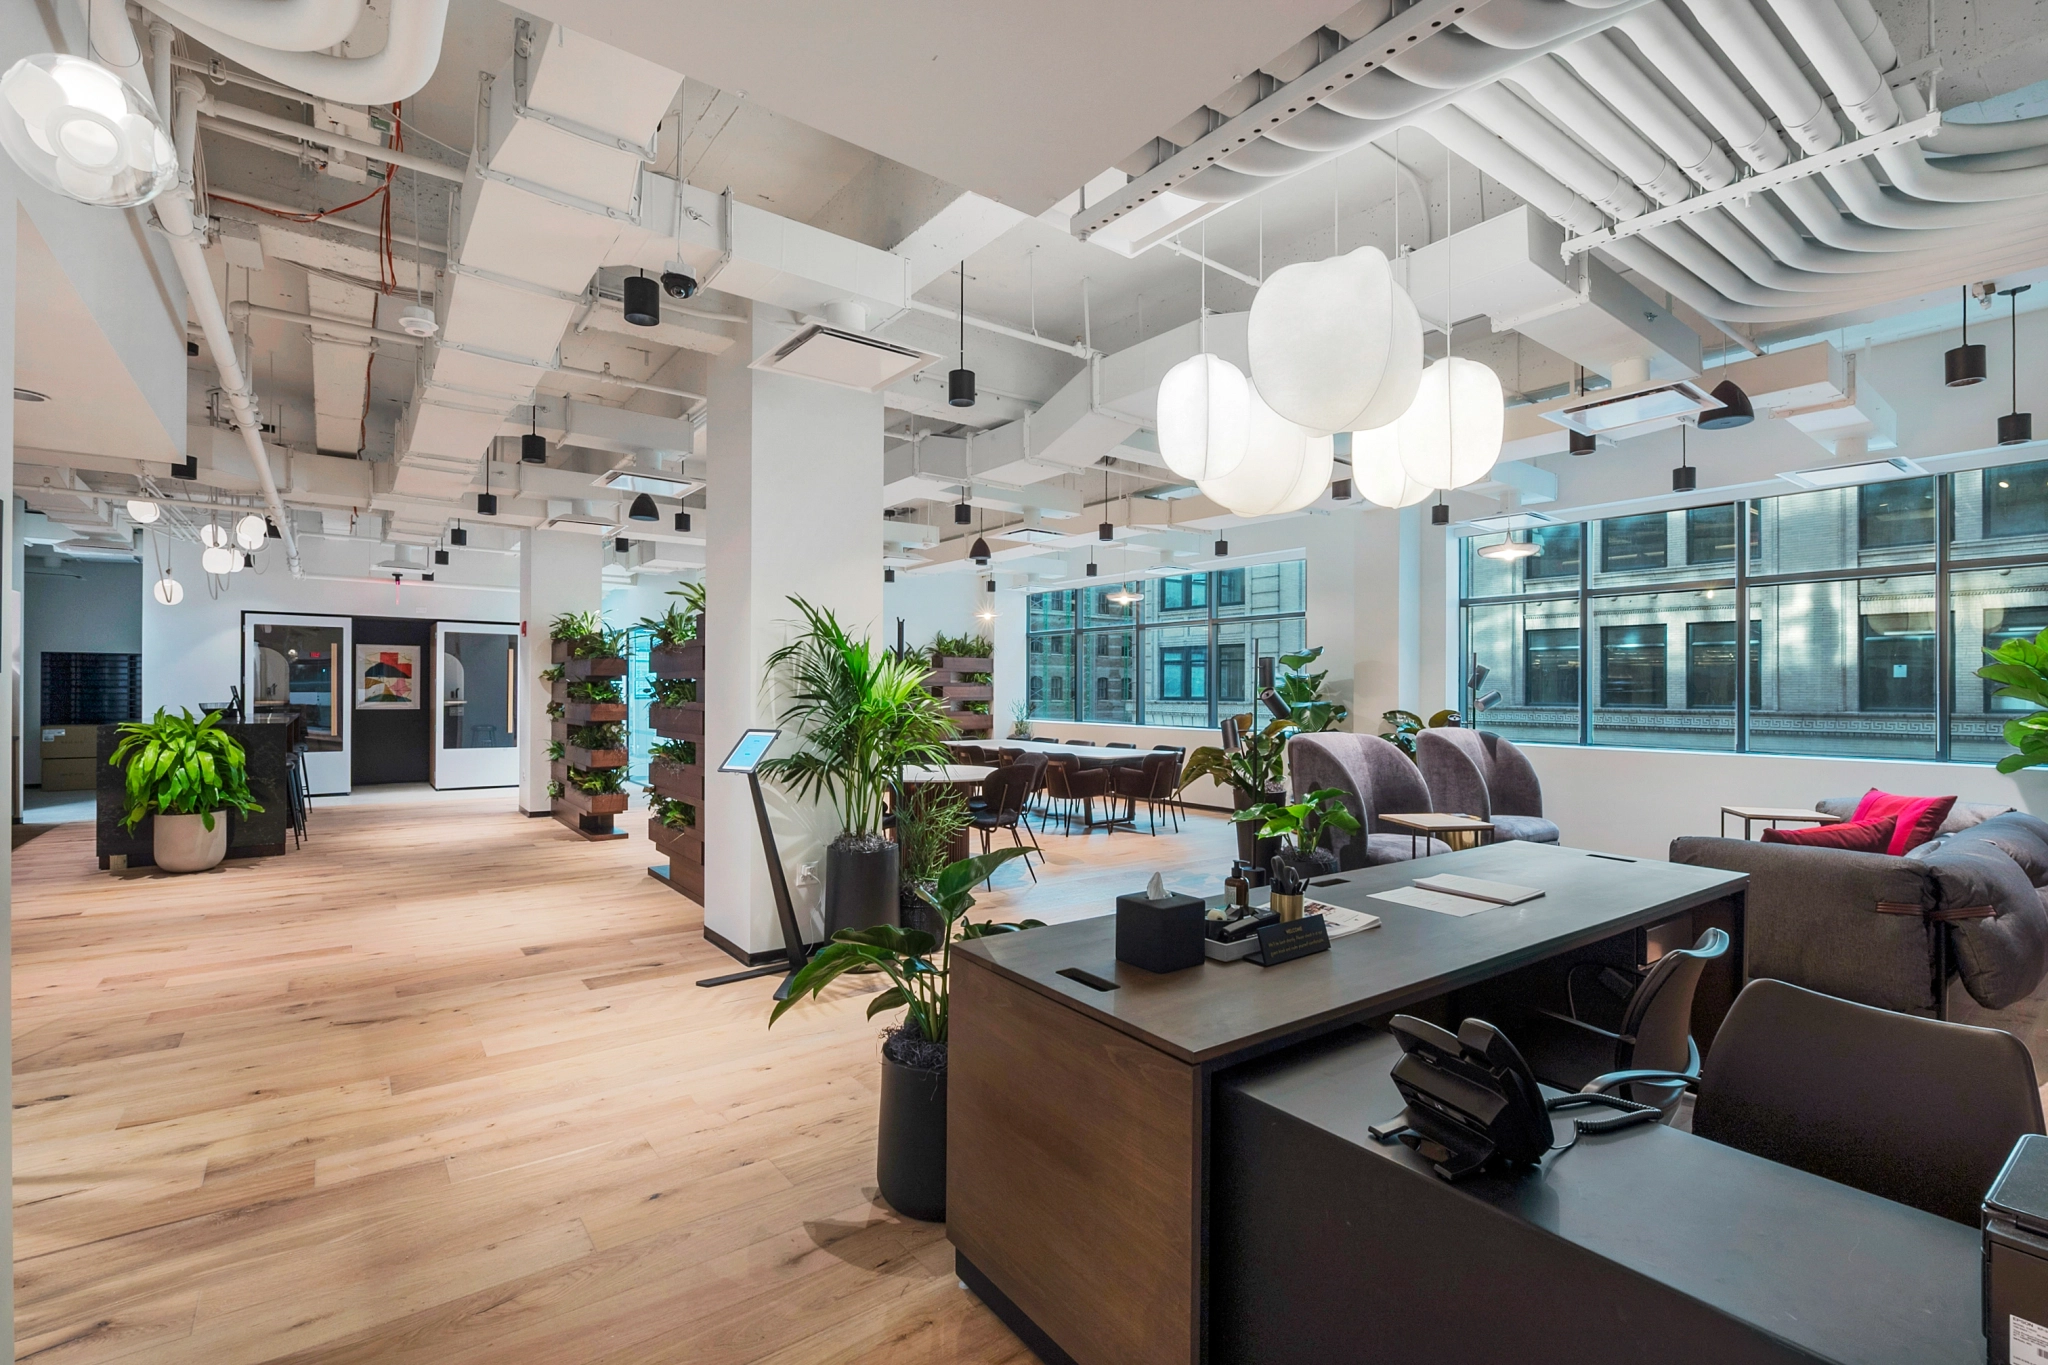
x: 1334, y: 345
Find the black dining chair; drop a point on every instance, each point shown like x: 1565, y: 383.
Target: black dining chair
x: 1909, y: 1109
x: 1006, y: 789
x: 1074, y: 787
x: 1151, y: 781
x: 1116, y: 744
x: 1080, y: 744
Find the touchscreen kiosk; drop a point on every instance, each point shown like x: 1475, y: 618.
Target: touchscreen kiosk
x: 748, y: 753
x: 745, y: 760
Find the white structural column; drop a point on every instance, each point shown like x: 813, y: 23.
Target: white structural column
x: 796, y: 480
x: 559, y: 571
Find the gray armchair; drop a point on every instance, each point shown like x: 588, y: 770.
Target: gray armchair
x: 1374, y: 777
x: 1476, y: 772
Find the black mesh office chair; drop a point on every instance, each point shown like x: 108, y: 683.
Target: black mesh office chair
x: 1910, y: 1109
x: 1655, y: 1030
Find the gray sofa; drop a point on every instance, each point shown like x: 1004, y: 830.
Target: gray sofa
x: 1892, y: 931
x: 1376, y: 778
x: 1476, y: 772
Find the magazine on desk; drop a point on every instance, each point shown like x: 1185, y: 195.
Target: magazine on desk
x: 1339, y: 922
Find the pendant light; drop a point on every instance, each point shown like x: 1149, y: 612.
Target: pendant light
x: 457, y: 536
x: 1377, y: 470
x: 1440, y: 511
x: 643, y: 509
x: 441, y: 558
x: 1335, y: 345
x: 168, y: 590
x: 1091, y: 564
x: 963, y: 510
x: 642, y: 304
x: 213, y: 536
x: 217, y: 559
x: 1284, y: 468
x: 1735, y: 409
x: 1204, y: 407
x: 960, y: 383
x: 533, y: 447
x: 2016, y: 427
x: 1964, y: 365
x: 242, y: 561
x: 1107, y: 530
x: 888, y: 575
x: 683, y: 520
x: 487, y: 501
x: 78, y: 129
x: 1451, y: 434
x: 251, y: 532
x: 143, y: 513
x: 621, y: 544
x: 1510, y: 550
x: 1581, y: 442
x: 978, y: 552
x: 1684, y: 478
x: 1222, y: 547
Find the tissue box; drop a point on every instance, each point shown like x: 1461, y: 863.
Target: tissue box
x: 1160, y: 935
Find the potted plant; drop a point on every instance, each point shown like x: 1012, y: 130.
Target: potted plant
x: 1308, y: 711
x: 2020, y: 667
x: 1252, y: 768
x: 1303, y: 822
x: 1020, y: 720
x: 1404, y: 726
x: 864, y: 715
x: 910, y: 1140
x: 191, y: 773
x: 929, y: 820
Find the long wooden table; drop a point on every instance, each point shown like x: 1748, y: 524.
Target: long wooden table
x: 1079, y: 1117
x: 1087, y: 755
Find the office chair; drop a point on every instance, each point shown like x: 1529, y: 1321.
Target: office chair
x: 1116, y: 744
x: 1655, y: 1033
x: 1007, y: 790
x: 1909, y: 1109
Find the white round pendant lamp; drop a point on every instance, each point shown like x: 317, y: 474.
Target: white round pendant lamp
x: 1377, y: 472
x: 1204, y: 417
x: 250, y: 532
x: 213, y: 536
x: 1331, y: 344
x: 169, y: 591
x: 217, y: 560
x: 143, y: 512
x: 1284, y: 468
x: 1451, y: 434
x: 80, y: 130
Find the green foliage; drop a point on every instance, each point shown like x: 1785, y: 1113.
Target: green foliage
x: 598, y: 781
x: 1304, y: 821
x: 676, y: 626
x: 607, y: 735
x: 918, y: 964
x: 556, y: 710
x: 944, y: 646
x: 2020, y: 667
x: 1254, y: 767
x: 585, y: 634
x: 864, y: 716
x: 929, y: 818
x: 693, y: 597
x: 683, y: 751
x: 554, y: 791
x: 1307, y: 709
x: 671, y: 812
x: 553, y: 673
x: 1020, y: 720
x: 555, y: 751
x: 671, y: 691
x: 1403, y: 726
x: 181, y: 765
x: 596, y: 690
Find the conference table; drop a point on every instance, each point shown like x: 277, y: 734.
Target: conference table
x: 1081, y: 1089
x: 1087, y: 755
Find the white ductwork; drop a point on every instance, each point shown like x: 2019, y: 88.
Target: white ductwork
x: 411, y: 51
x: 281, y: 25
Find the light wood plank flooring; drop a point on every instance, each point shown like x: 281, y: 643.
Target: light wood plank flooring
x: 439, y: 1089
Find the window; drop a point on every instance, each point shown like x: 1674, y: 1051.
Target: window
x: 1895, y: 514
x: 2000, y: 624
x: 1559, y: 557
x: 1550, y: 668
x: 2016, y: 500
x: 1710, y: 534
x: 1190, y: 646
x: 1710, y: 664
x: 1628, y: 543
x: 1632, y: 665
x: 1897, y: 672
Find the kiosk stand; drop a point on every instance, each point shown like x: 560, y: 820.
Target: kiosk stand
x: 745, y: 757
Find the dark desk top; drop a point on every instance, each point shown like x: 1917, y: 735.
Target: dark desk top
x: 1213, y: 1011
x: 1842, y: 1274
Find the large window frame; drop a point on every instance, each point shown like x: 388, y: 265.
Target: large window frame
x: 1204, y: 653
x: 1937, y: 557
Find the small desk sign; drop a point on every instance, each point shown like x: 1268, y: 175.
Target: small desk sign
x: 1289, y: 939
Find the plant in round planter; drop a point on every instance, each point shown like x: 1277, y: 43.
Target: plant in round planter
x: 929, y: 820
x: 190, y: 773
x: 910, y: 1140
x: 1303, y: 822
x: 864, y: 715
x: 1252, y: 766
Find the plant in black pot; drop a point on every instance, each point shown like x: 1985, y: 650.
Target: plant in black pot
x: 1299, y: 828
x: 910, y: 1140
x: 864, y: 715
x: 930, y: 819
x: 1251, y: 764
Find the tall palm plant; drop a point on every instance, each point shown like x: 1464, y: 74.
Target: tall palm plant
x: 864, y: 714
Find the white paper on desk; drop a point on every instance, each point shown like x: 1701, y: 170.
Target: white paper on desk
x: 1478, y: 889
x: 1339, y: 922
x: 1438, y: 901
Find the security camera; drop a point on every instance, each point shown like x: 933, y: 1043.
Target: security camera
x: 678, y: 284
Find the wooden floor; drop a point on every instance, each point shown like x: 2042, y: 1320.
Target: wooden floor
x: 439, y: 1088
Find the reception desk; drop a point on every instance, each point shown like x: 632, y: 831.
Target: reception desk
x: 1081, y: 1119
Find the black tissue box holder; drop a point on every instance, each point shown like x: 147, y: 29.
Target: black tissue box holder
x: 2015, y: 1228
x: 1162, y: 935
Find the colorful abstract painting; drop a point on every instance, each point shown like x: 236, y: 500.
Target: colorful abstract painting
x: 387, y: 677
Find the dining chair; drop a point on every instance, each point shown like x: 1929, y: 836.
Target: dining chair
x: 1151, y: 781
x: 1116, y: 744
x: 1080, y: 744
x: 1006, y: 789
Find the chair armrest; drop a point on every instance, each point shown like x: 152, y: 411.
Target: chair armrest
x: 1600, y: 1085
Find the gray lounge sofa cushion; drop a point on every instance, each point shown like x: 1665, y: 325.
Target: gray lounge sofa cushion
x: 1987, y: 884
x: 1532, y: 829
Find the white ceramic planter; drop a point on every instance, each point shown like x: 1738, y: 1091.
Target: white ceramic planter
x: 184, y: 844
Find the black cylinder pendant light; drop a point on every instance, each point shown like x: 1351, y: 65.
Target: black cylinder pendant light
x: 682, y: 521
x: 963, y: 510
x: 2016, y: 427
x: 643, y: 301
x: 457, y: 536
x: 960, y: 383
x: 1222, y: 548
x: 1107, y: 530
x: 1091, y: 565
x: 487, y: 501
x: 1684, y: 478
x: 621, y: 544
x: 1580, y: 442
x: 888, y: 575
x: 440, y: 556
x: 643, y: 509
x: 533, y: 447
x: 1964, y: 365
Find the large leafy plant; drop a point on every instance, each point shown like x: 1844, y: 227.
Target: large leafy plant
x: 1404, y: 726
x: 677, y: 625
x: 2020, y: 667
x: 1302, y: 821
x: 918, y: 964
x: 864, y: 715
x: 1254, y: 767
x: 586, y: 636
x: 181, y: 765
x: 1308, y: 710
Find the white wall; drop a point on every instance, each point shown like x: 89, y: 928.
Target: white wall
x: 81, y: 606
x: 930, y: 603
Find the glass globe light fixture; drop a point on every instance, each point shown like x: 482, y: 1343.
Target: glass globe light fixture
x: 168, y: 590
x: 1204, y: 417
x: 80, y: 130
x: 250, y: 532
x: 143, y: 513
x: 1451, y: 434
x: 218, y: 559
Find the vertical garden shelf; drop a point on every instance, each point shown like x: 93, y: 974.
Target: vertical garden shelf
x: 960, y: 681
x: 678, y: 717
x: 588, y: 813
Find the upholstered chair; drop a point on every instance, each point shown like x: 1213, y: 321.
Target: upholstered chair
x: 1476, y: 772
x: 1376, y: 779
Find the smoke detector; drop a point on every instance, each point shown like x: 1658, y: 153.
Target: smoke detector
x: 417, y: 320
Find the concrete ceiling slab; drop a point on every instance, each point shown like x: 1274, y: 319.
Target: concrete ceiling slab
x: 1021, y: 103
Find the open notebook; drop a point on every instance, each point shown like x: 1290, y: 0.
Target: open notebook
x: 1452, y: 895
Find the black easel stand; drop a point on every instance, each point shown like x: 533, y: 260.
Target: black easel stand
x: 795, y: 954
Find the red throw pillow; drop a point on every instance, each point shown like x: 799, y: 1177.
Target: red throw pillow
x: 1919, y: 817
x: 1874, y: 837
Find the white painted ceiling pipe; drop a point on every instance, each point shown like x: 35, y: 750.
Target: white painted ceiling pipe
x: 282, y: 25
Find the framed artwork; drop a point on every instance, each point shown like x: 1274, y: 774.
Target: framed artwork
x: 387, y: 677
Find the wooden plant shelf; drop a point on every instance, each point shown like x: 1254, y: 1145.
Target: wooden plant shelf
x: 593, y: 712
x: 677, y: 781
x: 972, y: 722
x: 686, y: 845
x: 595, y: 758
x: 959, y: 679
x: 683, y: 661
x: 684, y: 848
x: 678, y: 722
x: 585, y: 669
x: 589, y: 814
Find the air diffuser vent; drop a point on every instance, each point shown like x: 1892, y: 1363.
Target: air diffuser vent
x: 848, y: 359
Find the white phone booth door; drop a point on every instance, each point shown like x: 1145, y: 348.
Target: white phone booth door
x: 302, y: 664
x: 476, y: 705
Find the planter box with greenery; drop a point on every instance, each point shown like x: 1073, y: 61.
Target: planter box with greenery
x: 587, y: 704
x: 963, y: 677
x: 675, y: 769
x: 189, y: 773
x: 910, y: 1139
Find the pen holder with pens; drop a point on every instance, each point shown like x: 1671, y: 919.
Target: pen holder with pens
x: 1289, y: 887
